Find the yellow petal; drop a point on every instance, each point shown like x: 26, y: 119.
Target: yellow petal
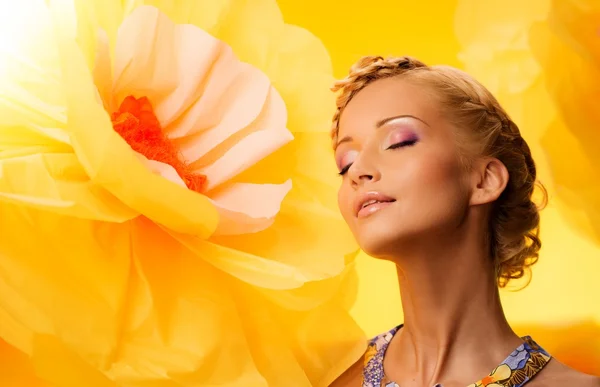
x: 103, y: 72
x: 44, y: 282
x: 16, y: 369
x: 93, y: 16
x: 292, y: 261
x: 206, y: 14
x: 340, y: 289
x: 253, y: 269
x: 308, y: 98
x: 61, y: 367
x: 250, y: 28
x: 292, y: 346
x: 193, y: 336
x: 29, y: 120
x: 20, y: 316
x: 31, y: 99
x: 56, y: 182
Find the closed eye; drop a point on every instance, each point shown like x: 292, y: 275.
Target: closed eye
x: 393, y: 146
x: 345, y: 169
x: 403, y: 144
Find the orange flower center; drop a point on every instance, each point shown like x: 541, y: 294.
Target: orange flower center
x: 136, y: 122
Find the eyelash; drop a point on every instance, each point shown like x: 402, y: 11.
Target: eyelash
x: 393, y: 146
x: 345, y: 169
x: 402, y: 144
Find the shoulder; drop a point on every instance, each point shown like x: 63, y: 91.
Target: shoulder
x: 557, y: 374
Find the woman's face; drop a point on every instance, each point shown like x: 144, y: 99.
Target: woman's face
x: 402, y: 179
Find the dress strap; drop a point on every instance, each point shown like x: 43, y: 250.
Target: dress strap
x: 519, y: 367
x: 373, y: 375
x: 515, y: 371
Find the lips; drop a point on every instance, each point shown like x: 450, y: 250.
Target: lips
x: 373, y: 199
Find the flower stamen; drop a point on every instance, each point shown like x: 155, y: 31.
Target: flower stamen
x: 137, y: 124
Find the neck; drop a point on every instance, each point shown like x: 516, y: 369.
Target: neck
x: 452, y: 312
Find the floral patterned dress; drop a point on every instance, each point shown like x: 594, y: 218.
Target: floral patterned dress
x: 515, y: 371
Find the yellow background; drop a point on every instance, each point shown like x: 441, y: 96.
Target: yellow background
x: 488, y: 38
x: 565, y: 289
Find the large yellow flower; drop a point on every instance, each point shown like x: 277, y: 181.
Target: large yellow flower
x: 158, y: 224
x: 566, y: 46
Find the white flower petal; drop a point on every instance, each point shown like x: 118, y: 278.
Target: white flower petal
x: 247, y: 208
x: 247, y: 152
x: 252, y: 104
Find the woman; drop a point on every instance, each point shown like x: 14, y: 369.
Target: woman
x: 437, y: 179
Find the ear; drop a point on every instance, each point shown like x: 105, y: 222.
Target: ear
x: 490, y: 178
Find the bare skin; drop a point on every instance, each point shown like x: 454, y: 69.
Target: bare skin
x: 455, y: 331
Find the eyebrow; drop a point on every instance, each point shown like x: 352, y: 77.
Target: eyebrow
x: 379, y: 124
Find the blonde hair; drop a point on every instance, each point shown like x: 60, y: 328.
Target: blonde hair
x: 514, y: 223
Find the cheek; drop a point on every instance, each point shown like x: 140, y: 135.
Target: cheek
x: 345, y: 202
x: 436, y: 180
x: 443, y: 173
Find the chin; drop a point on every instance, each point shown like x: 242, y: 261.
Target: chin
x: 380, y: 243
x: 390, y: 243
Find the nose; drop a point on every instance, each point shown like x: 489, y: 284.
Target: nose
x: 363, y: 171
